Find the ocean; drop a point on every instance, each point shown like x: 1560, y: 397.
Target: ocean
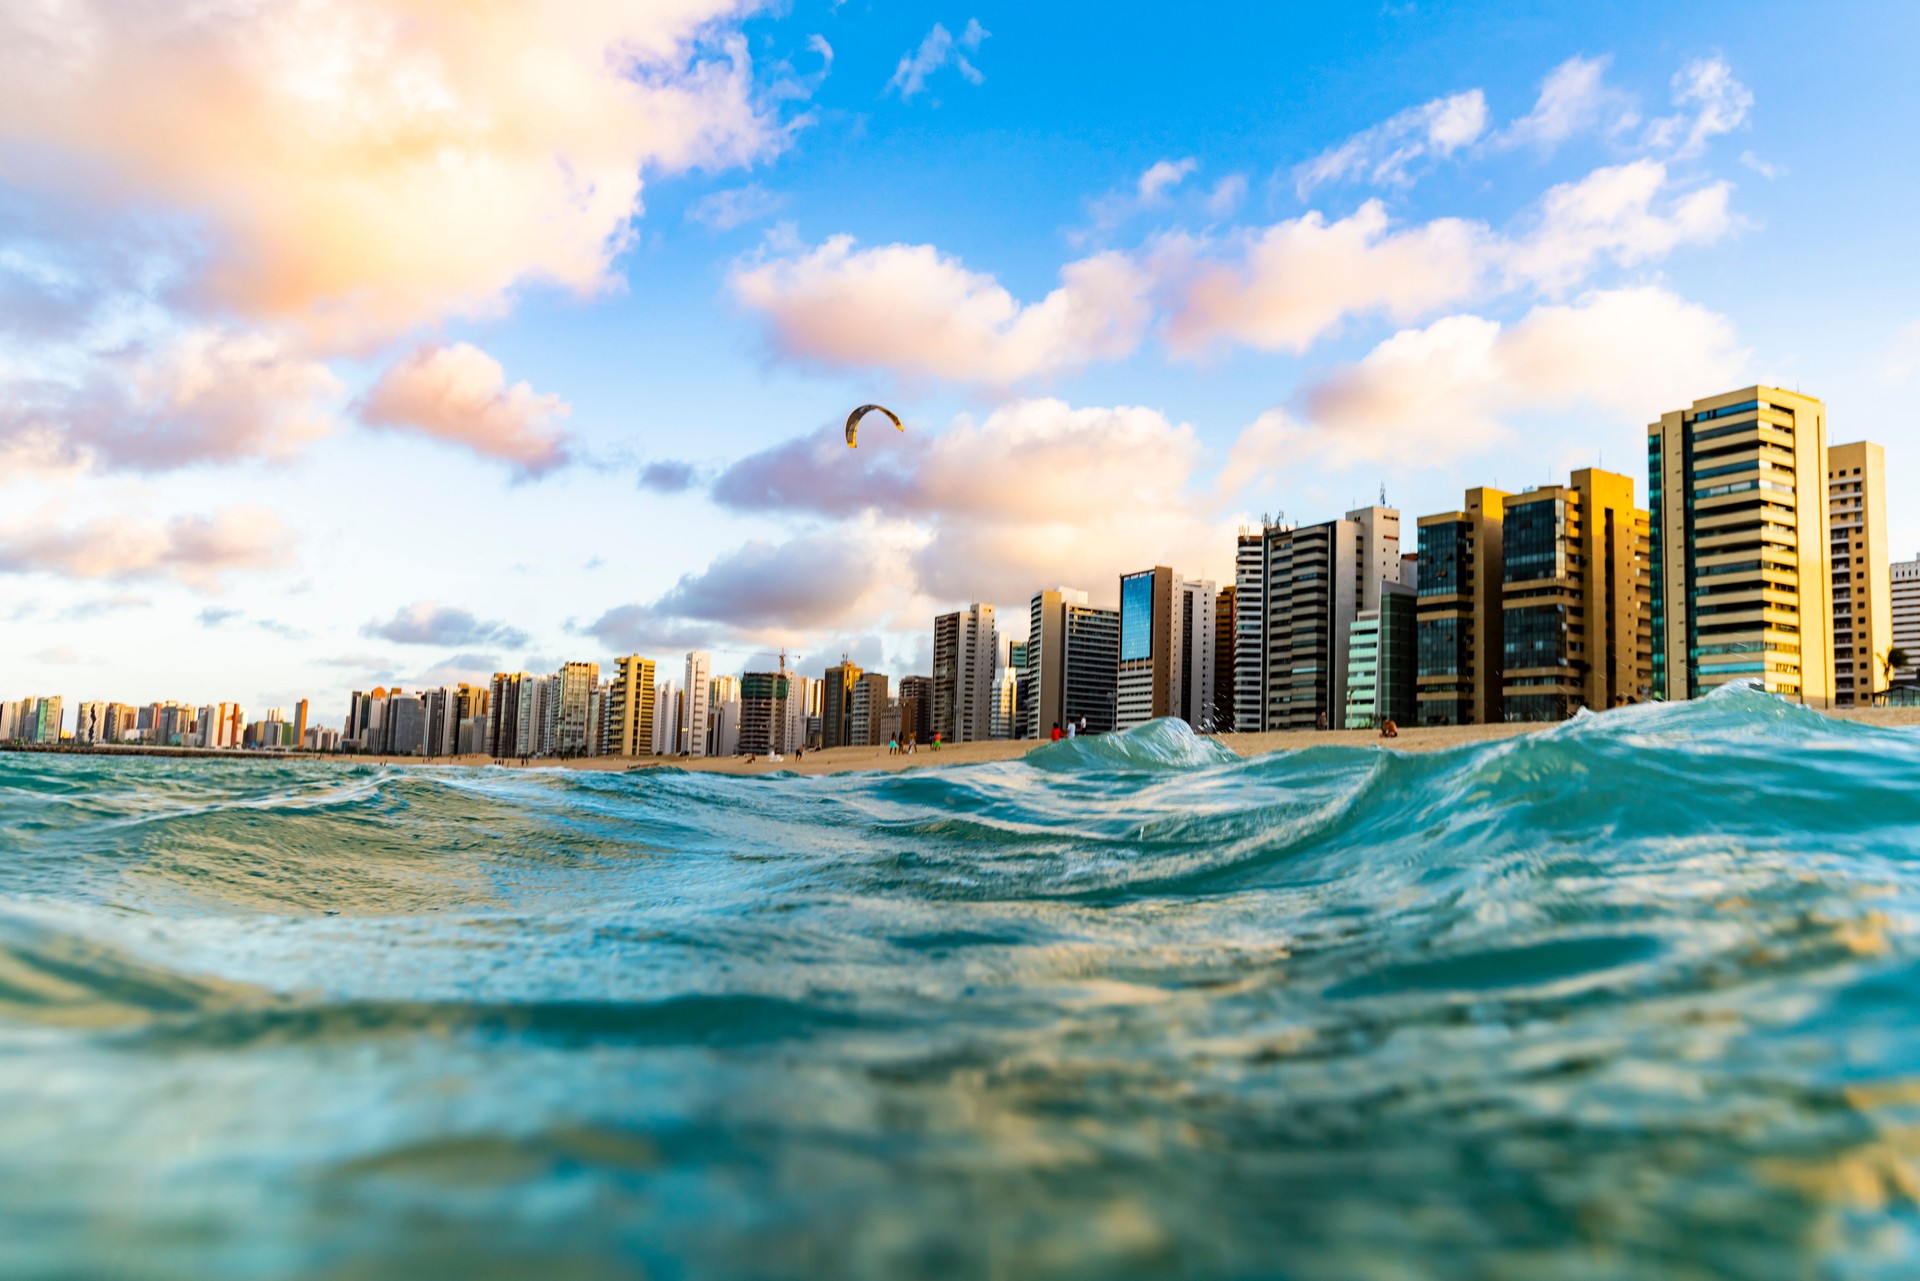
x: 1633, y: 997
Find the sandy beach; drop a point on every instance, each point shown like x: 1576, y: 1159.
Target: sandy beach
x: 848, y: 759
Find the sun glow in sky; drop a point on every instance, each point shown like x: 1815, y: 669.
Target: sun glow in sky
x: 346, y: 343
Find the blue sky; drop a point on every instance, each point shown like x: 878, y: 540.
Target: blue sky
x: 488, y: 345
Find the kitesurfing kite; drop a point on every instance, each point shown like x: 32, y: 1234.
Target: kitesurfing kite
x: 853, y: 421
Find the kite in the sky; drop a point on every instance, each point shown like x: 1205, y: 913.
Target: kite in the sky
x: 853, y: 421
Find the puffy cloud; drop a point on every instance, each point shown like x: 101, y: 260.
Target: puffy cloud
x: 1614, y: 213
x: 428, y: 623
x: 362, y: 168
x: 1081, y: 493
x: 1383, y: 154
x: 208, y: 396
x: 921, y: 313
x: 1285, y: 286
x: 459, y: 394
x: 668, y: 476
x: 938, y: 49
x: 1452, y: 388
x: 1161, y: 177
x: 1711, y: 103
x: 1574, y: 99
x: 725, y: 210
x: 197, y: 550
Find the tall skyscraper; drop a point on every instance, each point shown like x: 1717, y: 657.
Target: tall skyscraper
x: 627, y: 721
x: 1862, y: 577
x: 90, y: 723
x: 916, y: 708
x: 866, y: 709
x: 1249, y: 631
x: 1906, y: 615
x: 966, y: 650
x: 576, y: 683
x: 1315, y: 580
x: 1150, y: 648
x: 1382, y: 661
x: 1220, y: 709
x: 836, y: 704
x: 1073, y: 657
x: 503, y: 726
x: 1742, y: 586
x: 696, y: 730
x: 1574, y: 625
x: 1193, y: 684
x: 666, y: 724
x: 300, y: 724
x: 1462, y: 575
x: 764, y: 724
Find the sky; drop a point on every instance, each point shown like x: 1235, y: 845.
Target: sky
x: 347, y: 344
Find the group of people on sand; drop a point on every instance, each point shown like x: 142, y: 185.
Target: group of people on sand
x: 1072, y: 729
x: 897, y: 746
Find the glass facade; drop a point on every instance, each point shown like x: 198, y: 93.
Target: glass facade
x: 1443, y: 559
x: 1536, y: 636
x: 1136, y: 616
x: 1535, y: 539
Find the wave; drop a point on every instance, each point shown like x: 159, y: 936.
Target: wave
x: 1633, y: 995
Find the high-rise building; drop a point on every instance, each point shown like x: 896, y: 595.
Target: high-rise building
x: 1014, y: 660
x: 1906, y: 615
x: 1862, y: 578
x: 1382, y: 661
x: 90, y: 723
x: 627, y: 722
x: 300, y: 723
x: 916, y: 708
x: 1249, y: 631
x: 1741, y: 583
x: 1297, y: 592
x: 966, y: 649
x: 48, y: 718
x: 666, y: 723
x: 866, y: 711
x: 1220, y: 710
x: 505, y: 700
x: 575, y: 684
x: 1006, y: 702
x: 1150, y: 648
x: 1193, y: 683
x: 763, y: 713
x: 1575, y: 630
x: 1072, y: 663
x: 803, y: 695
x: 1462, y: 656
x: 406, y: 724
x: 836, y: 704
x: 696, y: 733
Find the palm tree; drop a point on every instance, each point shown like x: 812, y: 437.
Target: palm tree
x: 1894, y: 660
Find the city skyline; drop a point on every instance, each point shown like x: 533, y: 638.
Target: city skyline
x: 301, y: 451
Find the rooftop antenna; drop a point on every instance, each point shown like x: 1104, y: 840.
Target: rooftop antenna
x: 1383, y: 493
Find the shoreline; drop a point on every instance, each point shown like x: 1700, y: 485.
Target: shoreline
x: 843, y: 760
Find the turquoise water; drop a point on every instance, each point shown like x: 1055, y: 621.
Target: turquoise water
x: 1634, y: 997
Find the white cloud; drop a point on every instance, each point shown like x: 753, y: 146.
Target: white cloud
x: 1453, y: 388
x: 1226, y: 196
x: 1383, y: 154
x: 725, y: 210
x: 1161, y: 177
x: 939, y: 48
x: 1711, y: 103
x: 200, y: 551
x: 1284, y: 287
x: 1078, y: 495
x: 922, y: 314
x: 1614, y: 214
x: 362, y: 168
x: 1903, y: 354
x: 459, y: 394
x: 1574, y: 99
x: 206, y: 396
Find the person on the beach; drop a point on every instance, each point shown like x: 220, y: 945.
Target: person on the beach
x: 1388, y: 729
x: 893, y: 746
x: 1058, y: 734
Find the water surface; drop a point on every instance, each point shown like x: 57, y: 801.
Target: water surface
x: 1633, y: 997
